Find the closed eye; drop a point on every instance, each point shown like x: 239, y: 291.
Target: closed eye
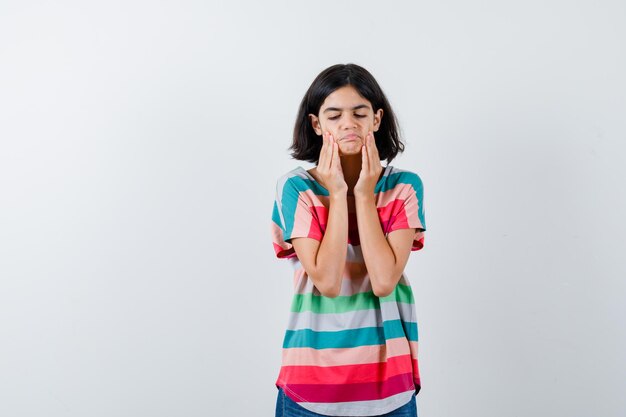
x: 357, y: 115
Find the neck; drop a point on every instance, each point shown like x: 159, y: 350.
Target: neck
x: 351, y: 167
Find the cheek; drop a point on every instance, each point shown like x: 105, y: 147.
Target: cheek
x: 367, y: 125
x: 329, y: 127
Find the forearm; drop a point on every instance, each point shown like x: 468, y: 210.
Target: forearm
x: 331, y: 256
x: 379, y: 258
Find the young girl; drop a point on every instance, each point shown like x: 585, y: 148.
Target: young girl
x: 348, y: 226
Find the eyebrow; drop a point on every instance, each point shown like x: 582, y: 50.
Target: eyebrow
x: 360, y: 106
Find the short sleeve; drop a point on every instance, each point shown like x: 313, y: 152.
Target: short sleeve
x: 293, y: 215
x: 410, y: 213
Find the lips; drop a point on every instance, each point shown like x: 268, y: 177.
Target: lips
x: 352, y: 136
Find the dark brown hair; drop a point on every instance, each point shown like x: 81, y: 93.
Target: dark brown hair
x: 307, y: 144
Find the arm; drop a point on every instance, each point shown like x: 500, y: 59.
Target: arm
x: 324, y: 261
x: 385, y: 259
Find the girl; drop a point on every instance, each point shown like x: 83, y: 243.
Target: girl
x: 348, y: 226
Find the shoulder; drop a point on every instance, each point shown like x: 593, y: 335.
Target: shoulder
x: 293, y: 182
x: 288, y: 177
x: 398, y: 176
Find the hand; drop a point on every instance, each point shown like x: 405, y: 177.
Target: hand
x: 370, y: 168
x: 329, y: 166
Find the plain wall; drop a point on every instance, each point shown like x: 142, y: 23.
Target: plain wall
x: 140, y: 143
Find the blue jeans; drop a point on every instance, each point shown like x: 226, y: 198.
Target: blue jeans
x: 286, y: 407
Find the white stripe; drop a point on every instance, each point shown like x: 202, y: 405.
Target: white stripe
x: 361, y: 408
x: 348, y: 286
x: 353, y: 254
x: 332, y: 322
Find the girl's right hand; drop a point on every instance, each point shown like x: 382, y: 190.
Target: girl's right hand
x: 329, y: 166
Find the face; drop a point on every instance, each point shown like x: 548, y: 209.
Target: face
x: 348, y: 117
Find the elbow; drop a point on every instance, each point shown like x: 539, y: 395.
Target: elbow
x: 382, y: 291
x: 385, y: 288
x: 329, y: 290
x: 330, y: 294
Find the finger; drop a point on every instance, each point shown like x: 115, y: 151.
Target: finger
x: 323, y: 160
x: 373, y: 151
x: 330, y: 150
x: 364, y: 157
x: 336, y: 160
x: 320, y: 160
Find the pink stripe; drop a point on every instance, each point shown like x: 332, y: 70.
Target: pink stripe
x: 418, y: 241
x: 334, y: 393
x: 310, y: 196
x: 399, y: 192
x: 317, y: 213
x: 302, y: 220
x: 411, y: 211
x: 347, y: 374
x: 283, y: 249
x: 413, y: 347
x: 349, y: 356
x: 416, y: 374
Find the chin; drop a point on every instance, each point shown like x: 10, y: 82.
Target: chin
x: 350, y: 152
x: 351, y: 147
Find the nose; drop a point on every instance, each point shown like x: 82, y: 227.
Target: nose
x: 349, y: 122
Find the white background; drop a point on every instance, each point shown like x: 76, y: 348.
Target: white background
x: 140, y: 143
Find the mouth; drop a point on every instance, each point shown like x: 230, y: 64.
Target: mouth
x: 350, y: 137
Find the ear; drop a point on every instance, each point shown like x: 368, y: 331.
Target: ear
x: 315, y: 123
x: 378, y: 117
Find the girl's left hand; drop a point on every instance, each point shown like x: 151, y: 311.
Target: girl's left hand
x: 370, y: 168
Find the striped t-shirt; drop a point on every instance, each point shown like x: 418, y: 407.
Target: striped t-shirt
x: 355, y: 354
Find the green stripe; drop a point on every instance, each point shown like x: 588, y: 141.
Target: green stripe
x: 401, y: 294
x: 362, y: 301
x: 320, y: 305
x: 404, y: 177
x: 305, y: 184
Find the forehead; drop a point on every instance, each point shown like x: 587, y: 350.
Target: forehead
x: 345, y: 97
